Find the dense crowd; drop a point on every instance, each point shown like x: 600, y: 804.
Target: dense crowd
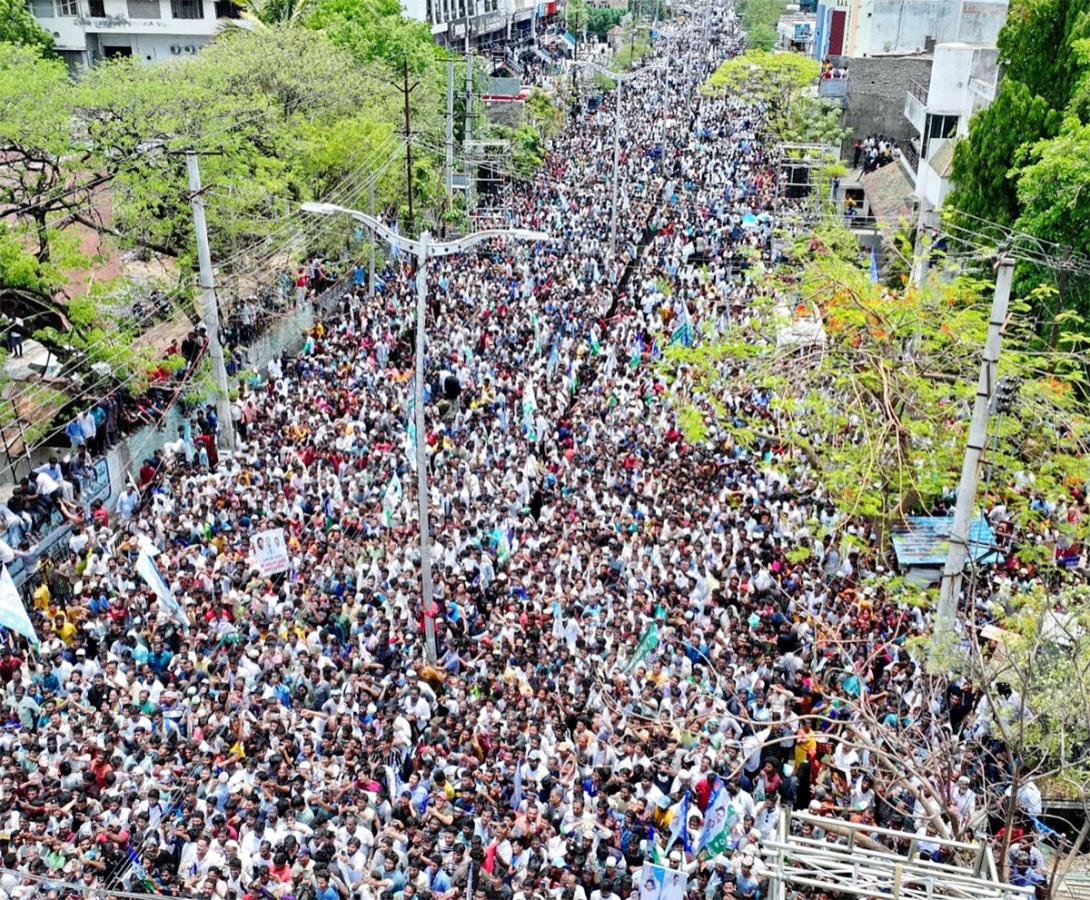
x: 624, y: 639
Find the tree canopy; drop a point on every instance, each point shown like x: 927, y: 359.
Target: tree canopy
x: 1015, y: 168
x: 18, y: 26
x: 870, y: 386
x: 781, y: 82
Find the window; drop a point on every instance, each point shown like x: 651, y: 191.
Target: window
x: 97, y: 8
x: 187, y: 9
x: 144, y: 9
x: 42, y: 9
x: 938, y: 126
x: 225, y: 9
x: 67, y: 7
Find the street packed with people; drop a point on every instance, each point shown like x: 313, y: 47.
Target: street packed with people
x: 630, y: 667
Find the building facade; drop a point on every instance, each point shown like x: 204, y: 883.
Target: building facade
x: 860, y: 28
x: 482, y: 23
x: 86, y: 31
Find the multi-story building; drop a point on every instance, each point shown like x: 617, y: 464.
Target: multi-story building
x: 481, y: 23
x: 859, y: 28
x: 963, y: 80
x: 151, y: 30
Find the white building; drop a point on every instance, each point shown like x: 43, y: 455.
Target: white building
x: 858, y: 28
x: 479, y: 23
x: 963, y: 80
x: 151, y: 30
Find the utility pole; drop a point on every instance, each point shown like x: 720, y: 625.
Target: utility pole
x: 450, y: 131
x: 405, y: 91
x: 920, y: 258
x: 211, y: 310
x: 422, y: 250
x: 616, y: 171
x: 469, y: 125
x: 371, y: 251
x: 620, y: 79
x: 427, y: 592
x: 958, y: 550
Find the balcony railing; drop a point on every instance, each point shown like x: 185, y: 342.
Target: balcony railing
x: 919, y: 91
x: 910, y: 155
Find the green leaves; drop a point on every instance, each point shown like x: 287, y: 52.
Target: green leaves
x: 759, y: 19
x: 18, y: 26
x: 374, y: 31
x: 782, y: 81
x: 876, y: 413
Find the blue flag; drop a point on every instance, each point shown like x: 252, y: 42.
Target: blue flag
x: 683, y: 333
x: 874, y: 264
x: 554, y: 359
x: 679, y: 828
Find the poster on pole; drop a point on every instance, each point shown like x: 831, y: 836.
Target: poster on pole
x: 660, y: 883
x: 270, y: 552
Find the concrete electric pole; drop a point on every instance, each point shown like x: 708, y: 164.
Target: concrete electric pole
x: 958, y: 550
x: 211, y: 309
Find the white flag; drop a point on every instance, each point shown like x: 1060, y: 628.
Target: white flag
x: 147, y: 570
x: 391, y: 499
x: 12, y: 612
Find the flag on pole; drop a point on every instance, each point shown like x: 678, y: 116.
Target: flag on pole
x: 391, y: 499
x: 679, y: 827
x: 146, y: 568
x: 539, y: 337
x: 395, y: 250
x: 653, y: 847
x: 503, y: 543
x: 516, y: 796
x: 719, y: 819
x: 683, y: 333
x: 647, y: 643
x: 554, y: 359
x: 529, y: 410
x: 410, y: 417
x: 874, y: 264
x: 13, y: 615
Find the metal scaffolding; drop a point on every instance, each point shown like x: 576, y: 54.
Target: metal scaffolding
x: 863, y: 867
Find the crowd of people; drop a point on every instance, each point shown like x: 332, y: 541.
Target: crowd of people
x: 873, y: 152
x: 633, y: 662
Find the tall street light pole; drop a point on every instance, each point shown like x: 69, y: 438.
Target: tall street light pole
x: 615, y: 178
x: 424, y: 249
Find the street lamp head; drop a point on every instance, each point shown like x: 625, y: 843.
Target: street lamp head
x: 322, y: 209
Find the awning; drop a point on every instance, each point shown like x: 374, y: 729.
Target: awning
x: 889, y: 195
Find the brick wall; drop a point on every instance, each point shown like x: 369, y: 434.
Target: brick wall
x: 876, y: 95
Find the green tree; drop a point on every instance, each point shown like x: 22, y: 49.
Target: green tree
x: 42, y: 153
x: 1037, y: 43
x: 759, y: 18
x: 276, y: 12
x: 375, y: 31
x: 273, y: 109
x: 600, y: 19
x: 1052, y: 187
x: 984, y: 171
x: 578, y: 17
x: 869, y: 387
x: 783, y: 81
x: 18, y: 26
